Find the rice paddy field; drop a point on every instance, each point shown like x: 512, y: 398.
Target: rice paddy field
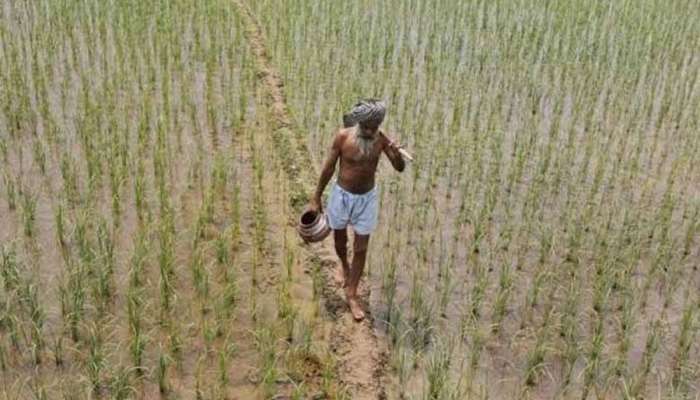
x: 543, y: 245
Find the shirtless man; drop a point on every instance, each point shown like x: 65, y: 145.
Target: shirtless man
x: 354, y: 198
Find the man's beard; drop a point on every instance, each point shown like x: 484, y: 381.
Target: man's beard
x: 364, y: 143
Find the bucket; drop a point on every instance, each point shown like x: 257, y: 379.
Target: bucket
x: 313, y: 226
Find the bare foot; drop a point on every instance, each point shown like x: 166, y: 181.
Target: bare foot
x: 356, y: 309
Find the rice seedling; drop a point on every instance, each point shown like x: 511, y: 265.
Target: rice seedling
x: 95, y: 360
x: 162, y: 372
x: 3, y: 357
x: 688, y: 331
x: 28, y: 213
x: 120, y: 385
x: 225, y: 355
x: 437, y: 373
x: 39, y: 156
x: 10, y: 191
x: 651, y: 346
x: 505, y: 286
x: 265, y: 344
x: 58, y: 351
x: 37, y: 318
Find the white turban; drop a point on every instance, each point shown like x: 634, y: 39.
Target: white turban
x: 370, y: 110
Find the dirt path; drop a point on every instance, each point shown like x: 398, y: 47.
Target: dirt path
x: 361, y: 356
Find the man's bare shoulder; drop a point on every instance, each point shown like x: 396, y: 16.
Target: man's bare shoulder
x: 341, y: 135
x: 345, y: 132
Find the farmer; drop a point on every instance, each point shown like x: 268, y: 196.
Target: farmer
x: 354, y: 199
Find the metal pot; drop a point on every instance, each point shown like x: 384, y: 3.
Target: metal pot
x: 313, y: 226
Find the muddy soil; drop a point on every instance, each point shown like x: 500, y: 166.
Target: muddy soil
x: 361, y: 355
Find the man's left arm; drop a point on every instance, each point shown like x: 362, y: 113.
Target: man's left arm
x: 391, y: 149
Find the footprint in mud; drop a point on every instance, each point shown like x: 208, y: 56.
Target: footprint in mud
x: 335, y: 303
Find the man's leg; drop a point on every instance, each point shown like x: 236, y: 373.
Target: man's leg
x: 359, y: 254
x: 341, y: 248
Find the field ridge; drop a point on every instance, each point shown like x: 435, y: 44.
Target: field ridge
x: 361, y: 356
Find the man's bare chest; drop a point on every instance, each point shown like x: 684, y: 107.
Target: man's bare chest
x: 355, y: 158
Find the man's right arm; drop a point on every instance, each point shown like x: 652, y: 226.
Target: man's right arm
x: 327, y: 171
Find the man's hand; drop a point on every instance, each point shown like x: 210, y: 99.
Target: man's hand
x: 315, y: 205
x: 395, y: 146
x: 393, y: 151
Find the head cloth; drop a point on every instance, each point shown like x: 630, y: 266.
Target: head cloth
x: 369, y: 110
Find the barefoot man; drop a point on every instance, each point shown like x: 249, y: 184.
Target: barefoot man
x: 353, y: 199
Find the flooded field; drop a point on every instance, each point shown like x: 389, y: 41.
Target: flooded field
x: 544, y: 243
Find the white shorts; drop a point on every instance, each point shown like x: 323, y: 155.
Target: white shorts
x: 359, y: 210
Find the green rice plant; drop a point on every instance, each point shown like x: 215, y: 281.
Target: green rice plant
x: 37, y: 317
x: 3, y: 357
x: 137, y: 341
x: 38, y: 390
x: 235, y: 227
x: 627, y: 324
x: 478, y: 339
x: 11, y: 191
x: 438, y: 372
x: 120, y: 387
x: 651, y: 347
x: 287, y: 312
x: 594, y: 358
x: 140, y: 191
x: 316, y: 280
x: 200, y: 277
x: 686, y: 337
x: 266, y: 346
x: 95, y: 362
x: 76, y: 299
x: 329, y: 378
x: 505, y: 286
x: 541, y: 277
x: 82, y: 238
x: 39, y: 156
x: 229, y: 298
x: 58, y: 351
x: 166, y: 259
x: 446, y: 285
x: 219, y: 176
x: 389, y: 283
x: 299, y: 391
x: 692, y: 230
x: 10, y: 271
x: 569, y: 326
x: 162, y: 372
x: 28, y: 212
x: 61, y: 237
x: 225, y: 355
x: 537, y: 353
x: 70, y: 180
x: 3, y: 151
x: 176, y: 346
x: 106, y: 260
x: 420, y: 322
x: 12, y: 325
x: 222, y: 248
x: 198, y: 380
x: 116, y: 182
x: 478, y: 290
